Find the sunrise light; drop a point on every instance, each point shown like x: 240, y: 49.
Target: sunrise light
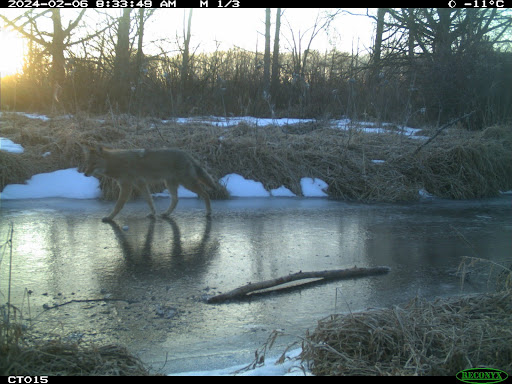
x: 12, y: 49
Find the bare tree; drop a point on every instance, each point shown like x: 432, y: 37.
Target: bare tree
x: 266, y: 57
x: 440, y: 49
x: 300, y: 55
x: 121, y: 78
x: 139, y: 59
x: 185, y: 63
x: 275, y: 54
x: 55, y: 42
x: 377, y: 50
x: 442, y: 31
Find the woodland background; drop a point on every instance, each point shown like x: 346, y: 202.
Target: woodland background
x: 425, y: 67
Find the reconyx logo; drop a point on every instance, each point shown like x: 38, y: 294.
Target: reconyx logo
x: 481, y: 375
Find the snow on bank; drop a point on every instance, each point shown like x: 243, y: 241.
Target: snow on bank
x: 67, y: 183
x: 9, y: 146
x: 70, y: 183
x: 290, y: 367
x: 342, y: 124
x: 29, y: 115
x: 313, y: 187
x: 231, y: 121
x: 238, y: 186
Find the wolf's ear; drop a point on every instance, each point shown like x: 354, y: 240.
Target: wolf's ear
x: 93, y: 149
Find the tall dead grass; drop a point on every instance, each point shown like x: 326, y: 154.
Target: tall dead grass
x: 457, y: 165
x: 440, y: 337
x: 472, y: 167
x: 421, y: 338
x: 62, y: 359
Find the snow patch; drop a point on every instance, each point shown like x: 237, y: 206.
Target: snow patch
x: 10, y: 146
x: 238, y: 186
x: 282, y: 191
x: 69, y: 183
x: 290, y: 367
x: 313, y: 187
x: 63, y: 183
x: 424, y: 194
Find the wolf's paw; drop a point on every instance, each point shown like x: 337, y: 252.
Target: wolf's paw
x: 107, y: 220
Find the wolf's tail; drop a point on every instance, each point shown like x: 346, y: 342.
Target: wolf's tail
x: 204, y: 177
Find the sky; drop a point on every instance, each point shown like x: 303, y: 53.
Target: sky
x: 214, y: 28
x: 245, y: 27
x: 10, y: 43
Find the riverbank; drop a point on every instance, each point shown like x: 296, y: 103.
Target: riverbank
x: 421, y: 338
x: 359, y: 161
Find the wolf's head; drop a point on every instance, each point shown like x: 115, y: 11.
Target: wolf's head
x: 96, y: 164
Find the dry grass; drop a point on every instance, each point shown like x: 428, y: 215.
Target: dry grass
x: 57, y: 358
x: 474, y: 167
x: 457, y: 164
x: 422, y: 338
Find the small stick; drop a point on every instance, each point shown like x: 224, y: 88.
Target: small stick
x: 84, y: 301
x: 440, y: 129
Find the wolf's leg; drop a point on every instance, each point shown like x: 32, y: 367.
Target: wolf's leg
x: 196, y: 187
x: 124, y: 194
x: 144, y: 190
x: 172, y: 187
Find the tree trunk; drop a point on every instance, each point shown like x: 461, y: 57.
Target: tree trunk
x: 121, y: 86
x: 411, y: 27
x: 140, y: 53
x: 266, y: 57
x: 275, y: 56
x: 185, y: 64
x: 443, y: 39
x: 377, y: 50
x: 58, y: 72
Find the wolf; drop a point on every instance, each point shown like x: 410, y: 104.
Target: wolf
x: 138, y: 167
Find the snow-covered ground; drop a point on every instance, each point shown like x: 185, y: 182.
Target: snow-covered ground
x: 69, y: 183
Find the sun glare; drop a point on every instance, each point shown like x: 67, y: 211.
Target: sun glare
x: 11, y: 53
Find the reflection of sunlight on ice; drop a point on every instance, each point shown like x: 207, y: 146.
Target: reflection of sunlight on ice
x: 29, y: 259
x: 29, y: 243
x: 39, y: 263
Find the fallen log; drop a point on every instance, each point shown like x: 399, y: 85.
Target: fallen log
x: 337, y: 274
